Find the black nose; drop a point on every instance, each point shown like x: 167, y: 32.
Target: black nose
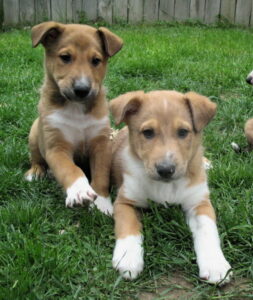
x: 165, y: 170
x: 249, y: 80
x: 82, y: 89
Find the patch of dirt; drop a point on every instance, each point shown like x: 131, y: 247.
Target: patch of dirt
x: 177, y: 287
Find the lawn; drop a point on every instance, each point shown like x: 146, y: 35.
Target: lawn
x: 50, y: 252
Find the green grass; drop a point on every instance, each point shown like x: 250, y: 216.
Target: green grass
x: 36, y: 262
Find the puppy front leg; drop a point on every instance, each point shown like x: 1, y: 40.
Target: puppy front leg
x: 128, y: 251
x: 70, y: 177
x: 100, y: 155
x: 212, y: 264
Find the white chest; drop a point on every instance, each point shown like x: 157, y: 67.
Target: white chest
x: 75, y: 125
x: 139, y: 187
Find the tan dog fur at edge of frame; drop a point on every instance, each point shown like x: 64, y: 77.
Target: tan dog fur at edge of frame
x: 248, y: 128
x: 73, y: 113
x: 159, y: 156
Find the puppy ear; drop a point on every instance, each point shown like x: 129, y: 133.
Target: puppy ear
x: 46, y: 33
x: 126, y: 105
x: 112, y: 43
x: 202, y: 110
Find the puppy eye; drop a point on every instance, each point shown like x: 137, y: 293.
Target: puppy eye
x: 148, y: 133
x: 182, y: 133
x: 66, y: 58
x: 96, y: 61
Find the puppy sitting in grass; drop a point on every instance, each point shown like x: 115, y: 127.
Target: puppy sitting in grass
x: 159, y: 156
x: 73, y: 113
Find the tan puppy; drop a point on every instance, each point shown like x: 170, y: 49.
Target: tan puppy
x: 73, y: 113
x: 248, y: 129
x: 159, y: 156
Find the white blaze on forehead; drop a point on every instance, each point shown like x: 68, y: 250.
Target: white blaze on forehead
x: 74, y: 124
x: 165, y: 104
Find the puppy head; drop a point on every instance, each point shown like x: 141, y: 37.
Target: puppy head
x: 164, y: 129
x: 76, y: 57
x: 249, y: 78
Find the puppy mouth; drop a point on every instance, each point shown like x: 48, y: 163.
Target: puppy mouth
x: 163, y: 179
x: 71, y: 96
x: 156, y: 177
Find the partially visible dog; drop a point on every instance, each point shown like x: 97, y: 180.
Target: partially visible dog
x: 158, y: 156
x: 73, y: 113
x: 248, y: 128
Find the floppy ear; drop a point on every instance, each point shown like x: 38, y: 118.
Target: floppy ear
x: 202, y: 110
x: 112, y: 43
x: 125, y: 105
x: 46, y: 32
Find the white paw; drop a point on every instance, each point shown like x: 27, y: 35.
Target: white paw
x: 30, y: 177
x: 80, y: 192
x: 207, y: 164
x: 235, y: 147
x: 104, y: 204
x: 128, y: 256
x: 214, y: 269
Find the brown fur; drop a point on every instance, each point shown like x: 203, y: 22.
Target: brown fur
x: 48, y: 146
x: 248, y: 130
x: 165, y: 112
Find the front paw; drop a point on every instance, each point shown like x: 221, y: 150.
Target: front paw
x: 215, y: 269
x: 128, y: 256
x: 80, y: 192
x: 104, y: 204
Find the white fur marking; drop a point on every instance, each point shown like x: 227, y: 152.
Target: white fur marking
x: 213, y: 266
x: 74, y: 124
x: 30, y: 177
x: 207, y: 164
x: 128, y: 256
x: 139, y: 187
x: 82, y: 81
x: 79, y: 192
x: 104, y: 204
x: 250, y: 77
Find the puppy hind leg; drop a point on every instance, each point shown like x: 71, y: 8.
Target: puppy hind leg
x: 38, y: 164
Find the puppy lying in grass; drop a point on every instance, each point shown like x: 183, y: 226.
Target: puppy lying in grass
x: 159, y: 156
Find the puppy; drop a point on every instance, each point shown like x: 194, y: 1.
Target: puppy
x: 158, y: 156
x: 248, y: 129
x: 73, y: 113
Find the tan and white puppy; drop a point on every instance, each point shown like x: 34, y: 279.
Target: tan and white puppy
x: 248, y: 129
x: 158, y: 156
x: 73, y: 113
